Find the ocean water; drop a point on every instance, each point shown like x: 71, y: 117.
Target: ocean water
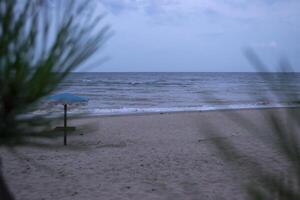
x: 122, y: 93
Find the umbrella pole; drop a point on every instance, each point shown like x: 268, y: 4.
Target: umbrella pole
x: 65, y: 125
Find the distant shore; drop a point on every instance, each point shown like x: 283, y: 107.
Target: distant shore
x: 149, y: 156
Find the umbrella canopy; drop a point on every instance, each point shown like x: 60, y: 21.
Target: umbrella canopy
x: 66, y: 98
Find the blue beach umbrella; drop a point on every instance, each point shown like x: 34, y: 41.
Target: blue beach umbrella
x: 67, y: 99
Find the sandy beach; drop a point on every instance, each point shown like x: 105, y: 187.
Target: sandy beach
x: 148, y: 156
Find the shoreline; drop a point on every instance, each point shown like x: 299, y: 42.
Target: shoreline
x: 88, y: 115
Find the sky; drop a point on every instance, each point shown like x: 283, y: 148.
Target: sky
x: 199, y: 35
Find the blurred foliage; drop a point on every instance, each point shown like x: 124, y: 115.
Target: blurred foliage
x: 284, y: 139
x: 41, y: 42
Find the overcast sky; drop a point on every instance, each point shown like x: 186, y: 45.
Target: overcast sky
x: 199, y: 35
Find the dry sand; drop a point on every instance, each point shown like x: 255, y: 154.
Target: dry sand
x: 150, y: 156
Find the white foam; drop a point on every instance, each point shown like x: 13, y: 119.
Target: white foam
x: 132, y: 110
x: 122, y: 111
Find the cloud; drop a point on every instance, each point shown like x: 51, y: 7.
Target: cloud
x: 271, y: 45
x: 118, y: 6
x: 231, y: 8
x: 154, y: 35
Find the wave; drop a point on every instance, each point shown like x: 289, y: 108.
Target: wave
x: 128, y: 82
x: 133, y: 110
x: 156, y: 83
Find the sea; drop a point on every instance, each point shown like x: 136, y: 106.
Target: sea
x: 127, y: 93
